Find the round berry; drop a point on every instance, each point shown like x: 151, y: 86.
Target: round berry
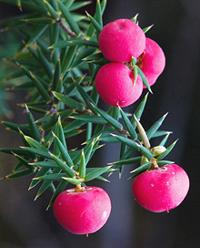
x: 121, y: 39
x: 115, y: 84
x: 152, y: 61
x: 82, y: 212
x: 161, y: 189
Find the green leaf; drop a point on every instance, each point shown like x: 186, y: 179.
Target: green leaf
x: 114, y: 112
x: 81, y: 57
x: 51, y: 10
x: 60, y: 132
x: 35, y: 151
x: 161, y: 133
x: 64, y: 151
x: 73, y: 181
x: 140, y: 109
x: 43, y: 188
x: 34, y: 143
x: 15, y: 2
x: 45, y: 63
x: 103, y: 179
x: 12, y: 150
x: 146, y: 29
x: 59, y: 188
x: 128, y: 125
x: 140, y: 169
x: 40, y: 172
x: 90, y: 148
x: 144, y: 79
x: 68, y: 3
x: 69, y: 18
x: 164, y: 162
x: 78, y: 5
x: 73, y: 133
x: 16, y: 127
x: 57, y: 80
x: 88, y: 118
x: 116, y: 124
x: 146, y: 152
x: 98, y: 14
x: 93, y: 173
x: 45, y: 164
x: 168, y: 150
x: 62, y: 165
x: 125, y: 161
x: 79, y: 42
x: 33, y: 127
x: 96, y: 110
x: 19, y: 173
x: 22, y: 161
x: 38, y: 84
x: 36, y: 36
x: 106, y: 137
x: 96, y: 25
x: 123, y: 149
x: 154, y: 128
x: 68, y: 57
x: 103, y: 5
x: 73, y: 125
x: 82, y: 166
x: 89, y: 131
x: 70, y: 102
x: 135, y: 18
x: 164, y: 140
x: 54, y: 37
x: 52, y: 177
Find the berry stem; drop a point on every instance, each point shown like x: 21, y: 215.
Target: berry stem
x: 154, y: 163
x: 79, y: 188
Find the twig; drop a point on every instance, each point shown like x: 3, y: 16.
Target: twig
x: 65, y: 28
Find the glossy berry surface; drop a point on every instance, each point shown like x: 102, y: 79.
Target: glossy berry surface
x: 115, y: 85
x: 121, y: 39
x: 161, y: 189
x: 152, y: 61
x: 82, y: 212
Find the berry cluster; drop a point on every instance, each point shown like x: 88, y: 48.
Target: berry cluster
x: 85, y: 210
x: 58, y: 46
x: 121, y: 42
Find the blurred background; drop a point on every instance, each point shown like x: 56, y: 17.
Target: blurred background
x: 26, y: 224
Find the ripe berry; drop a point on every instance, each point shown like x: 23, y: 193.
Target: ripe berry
x: 115, y: 85
x: 161, y: 189
x: 121, y: 39
x: 82, y: 212
x: 152, y: 61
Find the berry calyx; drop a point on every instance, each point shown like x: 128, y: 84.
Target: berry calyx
x: 82, y: 212
x: 161, y: 189
x: 152, y: 61
x: 121, y: 40
x: 115, y: 84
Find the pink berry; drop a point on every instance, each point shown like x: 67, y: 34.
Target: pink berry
x: 161, y: 189
x: 121, y: 39
x: 152, y: 61
x: 82, y: 212
x: 115, y: 85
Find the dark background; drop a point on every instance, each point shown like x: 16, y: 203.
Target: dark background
x: 26, y: 224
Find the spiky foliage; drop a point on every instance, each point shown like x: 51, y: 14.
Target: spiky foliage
x: 55, y: 64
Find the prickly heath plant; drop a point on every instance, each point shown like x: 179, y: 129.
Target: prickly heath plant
x: 56, y: 64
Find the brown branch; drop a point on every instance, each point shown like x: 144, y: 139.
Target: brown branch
x: 65, y: 28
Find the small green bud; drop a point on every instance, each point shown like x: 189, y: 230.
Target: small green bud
x: 157, y: 150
